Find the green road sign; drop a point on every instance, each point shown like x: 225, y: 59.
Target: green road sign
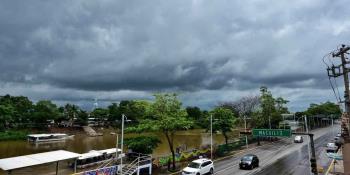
x: 272, y: 132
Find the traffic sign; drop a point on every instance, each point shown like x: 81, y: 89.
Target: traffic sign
x: 272, y: 132
x: 246, y: 132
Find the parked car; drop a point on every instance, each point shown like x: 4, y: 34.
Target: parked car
x: 331, y: 147
x: 338, y: 135
x: 199, y: 167
x: 249, y: 161
x: 298, y: 139
x: 336, y: 138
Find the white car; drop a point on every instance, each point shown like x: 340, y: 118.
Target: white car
x: 199, y: 167
x: 331, y: 147
x: 298, y: 139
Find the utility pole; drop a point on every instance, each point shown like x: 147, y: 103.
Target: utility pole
x: 211, y: 136
x: 311, y: 148
x: 336, y: 71
x: 313, y: 155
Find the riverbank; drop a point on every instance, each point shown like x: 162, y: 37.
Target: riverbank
x: 13, y: 135
x: 21, y: 134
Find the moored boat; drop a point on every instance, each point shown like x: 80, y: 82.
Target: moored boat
x: 95, y: 157
x: 48, y: 137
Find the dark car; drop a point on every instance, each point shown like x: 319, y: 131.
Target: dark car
x: 249, y: 161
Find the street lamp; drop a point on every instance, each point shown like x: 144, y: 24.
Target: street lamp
x: 298, y: 123
x: 245, y: 130
x: 122, y: 142
x: 211, y: 136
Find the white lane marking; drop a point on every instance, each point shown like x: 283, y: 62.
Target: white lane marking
x: 230, y: 166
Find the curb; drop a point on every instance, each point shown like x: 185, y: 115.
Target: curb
x: 330, y: 167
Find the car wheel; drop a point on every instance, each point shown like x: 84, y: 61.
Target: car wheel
x: 211, y: 171
x: 198, y: 174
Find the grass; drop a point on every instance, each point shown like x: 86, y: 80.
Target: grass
x: 13, y: 135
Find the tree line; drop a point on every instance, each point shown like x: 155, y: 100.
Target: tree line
x: 164, y: 114
x: 260, y: 111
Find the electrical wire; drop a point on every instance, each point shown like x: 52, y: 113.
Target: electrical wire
x: 336, y: 86
x: 329, y: 78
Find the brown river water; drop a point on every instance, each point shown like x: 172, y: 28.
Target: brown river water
x: 81, y: 143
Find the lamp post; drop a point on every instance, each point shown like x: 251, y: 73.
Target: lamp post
x: 211, y: 135
x: 245, y: 130
x: 122, y: 143
x: 121, y: 146
x: 298, y: 123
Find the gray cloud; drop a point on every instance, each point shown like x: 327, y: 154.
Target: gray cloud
x: 196, y: 47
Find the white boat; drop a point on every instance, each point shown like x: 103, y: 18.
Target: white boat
x: 95, y: 157
x: 47, y: 137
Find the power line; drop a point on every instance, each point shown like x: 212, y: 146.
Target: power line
x: 329, y: 78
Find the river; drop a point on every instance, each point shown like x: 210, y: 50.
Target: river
x: 82, y: 143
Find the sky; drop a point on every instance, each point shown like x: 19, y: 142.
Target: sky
x: 73, y: 51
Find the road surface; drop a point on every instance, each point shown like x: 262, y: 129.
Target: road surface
x: 282, y: 157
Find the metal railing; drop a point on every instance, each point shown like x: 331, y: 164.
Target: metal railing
x: 130, y: 168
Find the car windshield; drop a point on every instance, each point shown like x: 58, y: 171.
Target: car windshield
x: 193, y: 165
x: 331, y: 144
x: 247, y: 158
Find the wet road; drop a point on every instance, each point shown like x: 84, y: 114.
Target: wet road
x: 282, y: 157
x: 298, y: 162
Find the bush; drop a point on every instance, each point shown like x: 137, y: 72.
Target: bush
x: 142, y: 144
x: 13, y: 135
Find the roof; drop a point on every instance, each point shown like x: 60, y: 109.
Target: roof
x: 200, y: 160
x: 90, y: 154
x: 36, y: 159
x: 46, y: 135
x: 110, y: 151
x: 249, y: 155
x: 95, y: 153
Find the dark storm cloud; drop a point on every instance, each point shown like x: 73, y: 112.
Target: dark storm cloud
x: 133, y: 48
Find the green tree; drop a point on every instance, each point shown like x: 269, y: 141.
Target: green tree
x: 223, y: 121
x: 114, y: 112
x: 124, y: 108
x: 280, y: 105
x: 194, y: 113
x: 6, y: 113
x: 22, y: 108
x: 199, y: 117
x: 267, y: 114
x: 141, y: 109
x: 100, y: 113
x: 82, y: 117
x: 142, y: 144
x: 168, y: 118
x: 45, y: 110
x: 327, y: 108
x: 71, y: 111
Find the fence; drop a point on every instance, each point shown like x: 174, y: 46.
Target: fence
x: 111, y: 170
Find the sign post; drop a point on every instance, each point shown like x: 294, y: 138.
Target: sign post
x: 272, y: 132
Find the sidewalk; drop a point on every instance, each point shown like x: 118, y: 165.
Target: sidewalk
x: 336, y: 167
